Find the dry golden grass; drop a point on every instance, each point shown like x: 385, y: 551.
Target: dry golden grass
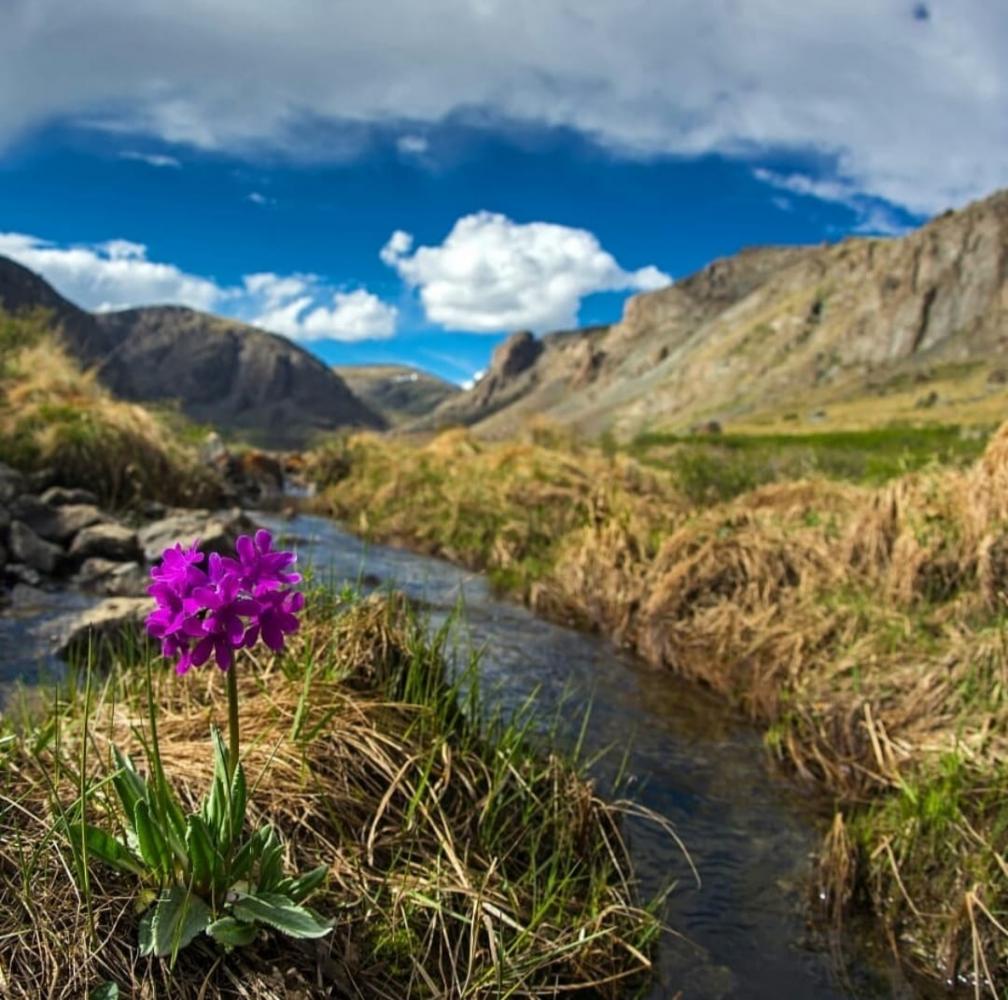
x: 55, y: 416
x: 462, y: 863
x: 863, y: 626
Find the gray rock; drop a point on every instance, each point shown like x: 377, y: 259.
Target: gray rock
x: 12, y: 483
x: 24, y: 595
x: 216, y: 532
x: 35, y: 552
x: 24, y: 574
x: 119, y: 619
x: 110, y: 541
x: 116, y: 579
x: 60, y: 496
x: 57, y: 524
x: 74, y: 518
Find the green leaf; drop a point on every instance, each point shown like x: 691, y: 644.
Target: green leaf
x: 241, y: 863
x: 172, y: 821
x: 299, y: 889
x: 145, y: 933
x: 129, y: 786
x: 281, y: 913
x: 153, y: 848
x: 238, y: 800
x: 105, y: 991
x: 270, y: 861
x: 178, y: 917
x: 106, y: 848
x: 232, y: 933
x: 203, y: 858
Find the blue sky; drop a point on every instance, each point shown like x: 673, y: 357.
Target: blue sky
x: 525, y: 190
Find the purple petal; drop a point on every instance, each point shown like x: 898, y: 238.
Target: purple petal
x: 272, y: 633
x: 263, y: 540
x: 246, y: 549
x: 202, y: 651
x: 224, y: 654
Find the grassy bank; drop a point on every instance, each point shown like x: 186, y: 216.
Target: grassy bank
x: 714, y: 467
x: 863, y: 626
x: 54, y: 416
x: 461, y: 861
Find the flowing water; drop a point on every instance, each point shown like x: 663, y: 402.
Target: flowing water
x: 750, y: 833
x: 742, y: 934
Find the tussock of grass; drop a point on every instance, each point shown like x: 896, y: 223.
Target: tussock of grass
x: 502, y: 508
x: 863, y: 626
x: 463, y: 863
x: 54, y: 416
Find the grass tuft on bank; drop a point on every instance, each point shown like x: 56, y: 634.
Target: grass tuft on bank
x: 863, y: 625
x: 56, y: 417
x: 464, y: 859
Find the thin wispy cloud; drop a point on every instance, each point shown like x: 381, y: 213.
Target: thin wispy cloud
x: 151, y: 159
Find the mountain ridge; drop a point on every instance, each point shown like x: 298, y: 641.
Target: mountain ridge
x: 239, y: 378
x: 767, y: 330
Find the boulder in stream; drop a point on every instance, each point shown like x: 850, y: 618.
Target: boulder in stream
x: 109, y: 541
x: 217, y: 532
x: 115, y: 579
x: 35, y: 552
x: 118, y: 619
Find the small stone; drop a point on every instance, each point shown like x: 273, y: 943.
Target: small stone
x: 116, y: 579
x: 35, y: 552
x: 118, y: 618
x: 111, y: 541
x: 60, y: 496
x: 24, y: 574
x: 12, y: 483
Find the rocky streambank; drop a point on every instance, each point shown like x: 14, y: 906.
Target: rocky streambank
x: 58, y: 538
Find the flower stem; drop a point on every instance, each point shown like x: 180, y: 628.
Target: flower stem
x: 232, y: 686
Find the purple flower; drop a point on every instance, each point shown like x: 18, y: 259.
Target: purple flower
x: 259, y: 568
x: 277, y: 616
x: 226, y: 607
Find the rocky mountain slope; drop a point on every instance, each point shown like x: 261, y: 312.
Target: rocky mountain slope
x: 398, y: 393
x: 238, y: 378
x: 868, y: 328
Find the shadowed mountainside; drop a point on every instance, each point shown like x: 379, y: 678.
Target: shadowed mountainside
x: 870, y: 329
x: 398, y: 393
x: 238, y: 378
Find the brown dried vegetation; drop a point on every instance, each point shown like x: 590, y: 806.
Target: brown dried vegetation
x: 863, y: 627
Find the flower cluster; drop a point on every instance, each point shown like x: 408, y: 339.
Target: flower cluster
x: 226, y: 606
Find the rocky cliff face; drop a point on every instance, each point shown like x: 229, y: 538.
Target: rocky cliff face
x: 772, y: 328
x: 236, y: 377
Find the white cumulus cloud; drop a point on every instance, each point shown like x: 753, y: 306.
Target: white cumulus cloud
x: 117, y: 274
x: 492, y: 274
x: 297, y: 312
x: 111, y: 275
